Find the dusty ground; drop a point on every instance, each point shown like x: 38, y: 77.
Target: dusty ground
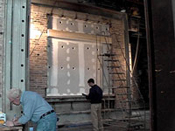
x: 112, y: 126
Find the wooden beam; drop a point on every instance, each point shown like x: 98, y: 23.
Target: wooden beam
x: 78, y: 36
x: 5, y: 128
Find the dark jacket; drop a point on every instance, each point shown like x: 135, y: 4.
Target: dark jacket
x: 95, y: 95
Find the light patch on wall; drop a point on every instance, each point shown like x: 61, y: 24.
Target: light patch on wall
x: 34, y: 33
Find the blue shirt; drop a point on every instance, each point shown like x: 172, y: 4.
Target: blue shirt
x: 34, y: 106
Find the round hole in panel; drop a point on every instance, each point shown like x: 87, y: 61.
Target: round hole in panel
x: 60, y: 22
x: 22, y: 50
x: 62, y: 68
x: 73, y: 68
x: 23, y: 6
x: 88, y: 48
x: 72, y: 23
x: 85, y: 25
x: 22, y: 80
x: 107, y: 29
x: 97, y: 27
x: 62, y: 46
x: 73, y: 48
x: 22, y: 35
x: 22, y: 65
x: 98, y: 68
x: 22, y: 20
x: 88, y: 68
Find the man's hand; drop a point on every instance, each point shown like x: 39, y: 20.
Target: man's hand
x: 84, y: 94
x: 9, y: 123
x: 16, y: 123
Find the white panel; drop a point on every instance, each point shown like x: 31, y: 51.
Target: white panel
x: 78, y: 26
x: 54, y: 70
x: 73, y: 63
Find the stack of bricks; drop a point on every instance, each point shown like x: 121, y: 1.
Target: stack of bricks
x: 2, y: 18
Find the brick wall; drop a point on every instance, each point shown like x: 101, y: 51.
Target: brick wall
x: 38, y: 49
x: 2, y: 2
x: 38, y: 42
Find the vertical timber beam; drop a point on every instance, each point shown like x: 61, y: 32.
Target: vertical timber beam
x: 162, y: 69
x: 2, y: 17
x: 128, y: 70
x: 16, y: 51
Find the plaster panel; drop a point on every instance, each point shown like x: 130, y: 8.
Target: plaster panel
x: 71, y: 64
x: 78, y: 26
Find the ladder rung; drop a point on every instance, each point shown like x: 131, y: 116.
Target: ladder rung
x: 133, y: 120
x: 133, y: 108
x: 107, y: 54
x: 125, y: 101
x: 123, y: 94
x: 112, y: 60
x: 136, y: 124
x: 123, y: 87
x: 133, y: 116
x: 109, y: 99
x: 120, y: 80
x: 115, y: 87
x: 105, y: 110
x: 119, y: 73
x: 113, y: 66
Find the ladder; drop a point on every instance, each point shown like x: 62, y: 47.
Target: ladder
x: 132, y: 110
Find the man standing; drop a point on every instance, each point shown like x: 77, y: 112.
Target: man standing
x: 35, y: 108
x: 95, y: 96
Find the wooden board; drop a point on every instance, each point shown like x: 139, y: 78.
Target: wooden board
x: 5, y: 128
x: 78, y: 36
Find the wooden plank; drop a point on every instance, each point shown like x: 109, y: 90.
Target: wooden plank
x: 78, y: 36
x: 5, y: 128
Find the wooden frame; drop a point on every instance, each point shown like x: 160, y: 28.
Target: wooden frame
x: 78, y: 36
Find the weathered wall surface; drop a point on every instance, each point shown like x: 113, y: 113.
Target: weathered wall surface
x: 2, y: 4
x: 38, y: 42
x: 74, y: 108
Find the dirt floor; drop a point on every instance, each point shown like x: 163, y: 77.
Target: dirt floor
x: 110, y: 126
